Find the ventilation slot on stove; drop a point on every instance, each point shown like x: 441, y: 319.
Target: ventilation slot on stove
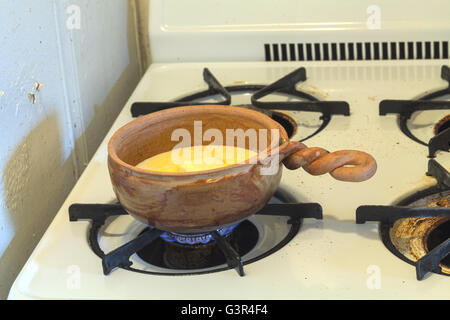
x: 356, y: 51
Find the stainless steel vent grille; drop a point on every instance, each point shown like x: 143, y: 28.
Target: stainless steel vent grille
x: 356, y: 51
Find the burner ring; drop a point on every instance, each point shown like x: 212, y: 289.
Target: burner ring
x: 195, y: 238
x: 286, y: 121
x: 294, y: 229
x: 442, y: 125
x: 200, y: 256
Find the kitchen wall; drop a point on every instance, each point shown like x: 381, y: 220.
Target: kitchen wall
x: 66, y: 70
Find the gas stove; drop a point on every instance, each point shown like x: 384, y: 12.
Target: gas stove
x: 309, y: 242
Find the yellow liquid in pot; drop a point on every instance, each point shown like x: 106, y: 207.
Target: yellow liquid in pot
x: 197, y: 158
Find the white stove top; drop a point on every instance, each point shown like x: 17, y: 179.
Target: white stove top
x: 329, y: 258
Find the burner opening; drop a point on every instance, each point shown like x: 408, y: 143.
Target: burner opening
x: 183, y: 256
x: 437, y: 236
x: 288, y: 123
x: 442, y: 125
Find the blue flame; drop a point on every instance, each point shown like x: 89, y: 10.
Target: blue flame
x: 195, y: 238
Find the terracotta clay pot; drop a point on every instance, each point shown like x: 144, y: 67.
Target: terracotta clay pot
x: 193, y: 202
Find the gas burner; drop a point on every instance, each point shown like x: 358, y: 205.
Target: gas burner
x: 174, y: 255
x: 417, y: 229
x: 156, y: 252
x: 275, y: 108
x: 430, y: 108
x: 195, y: 238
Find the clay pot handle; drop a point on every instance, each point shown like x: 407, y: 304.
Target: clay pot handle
x: 344, y: 165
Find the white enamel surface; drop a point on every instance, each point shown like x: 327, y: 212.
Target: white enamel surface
x: 333, y: 258
x: 209, y: 31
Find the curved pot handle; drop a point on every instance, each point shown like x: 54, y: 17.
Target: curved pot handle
x: 344, y: 165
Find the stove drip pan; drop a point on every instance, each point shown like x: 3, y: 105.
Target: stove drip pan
x: 415, y: 237
x: 416, y: 230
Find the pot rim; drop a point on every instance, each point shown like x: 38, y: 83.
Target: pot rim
x: 164, y: 114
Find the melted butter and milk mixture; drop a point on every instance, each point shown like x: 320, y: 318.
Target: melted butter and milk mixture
x: 196, y: 158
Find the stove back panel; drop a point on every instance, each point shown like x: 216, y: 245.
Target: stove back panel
x: 234, y: 30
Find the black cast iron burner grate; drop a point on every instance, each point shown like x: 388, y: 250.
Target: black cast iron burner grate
x: 405, y: 109
x: 120, y: 257
x: 286, y: 85
x: 388, y: 215
x: 441, y: 174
